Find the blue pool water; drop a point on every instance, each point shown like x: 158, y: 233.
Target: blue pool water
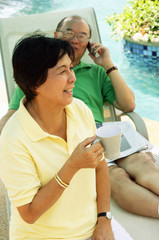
x: 143, y: 78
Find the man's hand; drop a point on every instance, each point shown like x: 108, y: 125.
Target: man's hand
x: 102, y: 55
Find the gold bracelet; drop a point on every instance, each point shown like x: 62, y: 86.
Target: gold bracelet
x: 65, y: 184
x: 60, y: 182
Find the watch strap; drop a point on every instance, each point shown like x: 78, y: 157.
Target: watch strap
x: 102, y: 214
x: 105, y: 214
x: 111, y: 69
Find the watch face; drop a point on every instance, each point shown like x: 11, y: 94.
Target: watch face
x: 109, y: 216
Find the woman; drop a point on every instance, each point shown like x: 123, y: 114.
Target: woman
x: 56, y: 180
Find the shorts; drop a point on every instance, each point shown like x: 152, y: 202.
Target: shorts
x: 112, y: 163
x: 155, y: 155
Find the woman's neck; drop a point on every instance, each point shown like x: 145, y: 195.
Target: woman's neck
x: 50, y: 119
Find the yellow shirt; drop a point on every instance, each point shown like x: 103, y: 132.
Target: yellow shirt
x: 29, y: 159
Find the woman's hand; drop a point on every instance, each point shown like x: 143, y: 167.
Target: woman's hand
x: 103, y: 230
x: 86, y: 155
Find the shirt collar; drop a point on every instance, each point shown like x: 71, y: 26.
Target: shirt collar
x: 82, y: 65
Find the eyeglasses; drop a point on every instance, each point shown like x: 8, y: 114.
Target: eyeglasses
x: 70, y: 35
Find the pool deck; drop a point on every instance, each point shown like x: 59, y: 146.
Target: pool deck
x: 153, y: 130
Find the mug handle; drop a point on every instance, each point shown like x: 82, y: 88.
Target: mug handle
x: 96, y: 141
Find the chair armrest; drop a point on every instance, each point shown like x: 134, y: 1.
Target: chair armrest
x: 139, y: 123
x: 115, y: 115
x: 8, y: 205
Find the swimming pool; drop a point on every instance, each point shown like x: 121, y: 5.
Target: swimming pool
x: 140, y: 76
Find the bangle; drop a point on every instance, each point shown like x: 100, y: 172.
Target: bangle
x: 111, y: 69
x: 60, y: 182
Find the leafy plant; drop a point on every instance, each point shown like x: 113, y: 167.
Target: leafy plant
x: 139, y: 21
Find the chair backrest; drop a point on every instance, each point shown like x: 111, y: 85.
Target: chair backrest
x: 12, y: 29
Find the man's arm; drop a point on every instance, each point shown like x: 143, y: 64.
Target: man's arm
x: 103, y: 228
x: 124, y: 96
x: 13, y: 106
x: 5, y: 118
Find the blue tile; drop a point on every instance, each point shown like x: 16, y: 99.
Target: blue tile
x: 149, y: 48
x: 133, y: 45
x: 154, y: 48
x: 142, y: 52
x: 145, y: 60
x: 154, y: 53
x: 145, y: 52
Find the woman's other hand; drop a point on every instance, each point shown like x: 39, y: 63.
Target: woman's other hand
x: 103, y: 230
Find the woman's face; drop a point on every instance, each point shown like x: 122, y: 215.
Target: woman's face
x: 59, y: 84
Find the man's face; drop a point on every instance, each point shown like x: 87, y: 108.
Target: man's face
x: 79, y: 28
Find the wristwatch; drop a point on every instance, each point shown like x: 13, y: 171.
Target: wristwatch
x: 108, y: 215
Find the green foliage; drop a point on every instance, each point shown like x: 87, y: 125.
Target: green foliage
x: 139, y: 20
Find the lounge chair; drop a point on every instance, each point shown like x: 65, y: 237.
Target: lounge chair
x: 11, y: 30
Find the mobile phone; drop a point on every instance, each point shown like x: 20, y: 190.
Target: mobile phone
x: 90, y: 49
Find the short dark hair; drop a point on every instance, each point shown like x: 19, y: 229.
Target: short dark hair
x: 72, y: 18
x: 33, y: 55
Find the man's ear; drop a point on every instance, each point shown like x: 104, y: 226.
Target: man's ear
x: 55, y: 34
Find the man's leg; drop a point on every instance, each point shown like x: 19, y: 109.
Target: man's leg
x: 142, y: 169
x: 131, y: 196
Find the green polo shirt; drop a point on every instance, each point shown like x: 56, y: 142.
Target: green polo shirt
x: 93, y: 87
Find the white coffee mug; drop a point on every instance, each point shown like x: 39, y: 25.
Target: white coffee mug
x: 110, y: 138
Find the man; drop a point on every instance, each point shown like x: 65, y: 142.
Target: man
x: 93, y: 85
x: 132, y: 189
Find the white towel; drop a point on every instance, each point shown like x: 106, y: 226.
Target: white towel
x: 119, y: 232
x: 155, y: 152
